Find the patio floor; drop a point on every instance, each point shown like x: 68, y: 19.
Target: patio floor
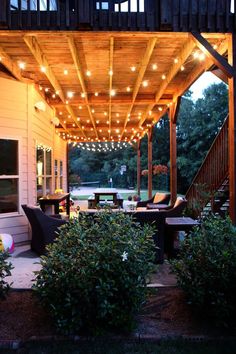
x: 26, y: 262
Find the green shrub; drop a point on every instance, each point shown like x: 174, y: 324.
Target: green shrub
x: 206, y: 269
x: 5, y: 271
x: 94, y: 275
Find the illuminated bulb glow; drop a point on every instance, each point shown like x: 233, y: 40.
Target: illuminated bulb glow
x: 110, y: 72
x: 128, y: 89
x: 201, y: 56
x: 176, y: 60
x: 182, y: 68
x: 22, y: 65
x: 43, y: 69
x: 145, y: 83
x: 65, y: 72
x: 70, y: 94
x: 112, y: 93
x: 96, y: 94
x: 83, y: 94
x: 133, y: 68
x: 88, y: 73
x: 163, y: 77
x: 154, y: 66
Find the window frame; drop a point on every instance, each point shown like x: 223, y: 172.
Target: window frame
x: 17, y: 177
x: 44, y: 175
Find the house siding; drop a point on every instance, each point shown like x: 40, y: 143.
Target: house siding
x: 20, y: 120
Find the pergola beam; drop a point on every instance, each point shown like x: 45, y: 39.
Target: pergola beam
x: 121, y: 100
x: 41, y: 59
x: 210, y: 52
x: 182, y: 56
x: 80, y: 75
x: 145, y: 61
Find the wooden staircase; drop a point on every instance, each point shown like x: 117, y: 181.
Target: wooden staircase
x: 209, y: 190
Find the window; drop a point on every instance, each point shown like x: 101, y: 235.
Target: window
x: 9, y: 176
x: 122, y: 5
x: 43, y: 170
x: 61, y: 174
x: 33, y: 5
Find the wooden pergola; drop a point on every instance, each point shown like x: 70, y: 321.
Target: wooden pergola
x: 114, y: 85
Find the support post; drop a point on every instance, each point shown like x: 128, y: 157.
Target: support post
x: 139, y: 167
x: 232, y: 131
x: 150, y: 133
x: 173, y: 114
x: 173, y: 165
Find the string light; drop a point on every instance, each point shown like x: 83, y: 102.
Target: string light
x: 163, y: 77
x: 154, y: 67
x: 133, y: 68
x: 128, y: 89
x: 112, y: 93
x: 145, y: 83
x: 66, y: 72
x: 43, y: 69
x: 110, y: 72
x: 22, y: 65
x: 176, y: 60
x: 96, y: 94
x: 182, y: 68
x: 83, y: 94
x: 70, y: 94
x: 88, y: 73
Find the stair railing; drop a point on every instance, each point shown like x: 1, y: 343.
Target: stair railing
x: 213, y: 171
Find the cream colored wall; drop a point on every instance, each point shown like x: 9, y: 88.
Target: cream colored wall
x: 20, y: 120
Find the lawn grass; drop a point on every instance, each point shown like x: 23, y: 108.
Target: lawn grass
x: 143, y: 195
x: 128, y: 347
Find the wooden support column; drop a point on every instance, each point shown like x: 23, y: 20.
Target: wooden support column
x: 173, y: 113
x: 3, y: 13
x: 232, y: 131
x: 173, y: 165
x: 139, y: 167
x: 150, y: 133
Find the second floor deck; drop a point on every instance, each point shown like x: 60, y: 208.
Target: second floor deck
x: 119, y: 15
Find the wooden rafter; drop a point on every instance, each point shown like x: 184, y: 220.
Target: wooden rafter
x: 200, y: 69
x: 79, y: 71
x: 121, y: 100
x: 145, y: 61
x: 182, y: 56
x: 111, y: 55
x: 35, y: 49
x: 12, y: 67
x: 211, y: 53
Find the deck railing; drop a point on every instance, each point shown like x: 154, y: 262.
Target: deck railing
x: 214, y: 169
x: 136, y: 15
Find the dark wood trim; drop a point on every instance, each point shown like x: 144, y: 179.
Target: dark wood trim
x: 3, y: 13
x: 219, y: 73
x: 139, y: 167
x: 232, y: 132
x: 150, y: 134
x: 217, y: 59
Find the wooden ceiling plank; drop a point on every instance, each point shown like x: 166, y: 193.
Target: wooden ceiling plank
x: 79, y: 71
x: 182, y: 56
x: 41, y: 59
x: 111, y: 57
x: 210, y: 52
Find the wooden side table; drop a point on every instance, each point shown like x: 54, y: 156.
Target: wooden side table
x: 174, y: 224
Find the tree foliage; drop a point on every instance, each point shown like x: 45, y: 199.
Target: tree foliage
x: 198, y: 123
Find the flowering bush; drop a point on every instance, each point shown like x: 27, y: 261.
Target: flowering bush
x: 156, y: 170
x: 5, y: 271
x: 206, y: 269
x: 94, y: 276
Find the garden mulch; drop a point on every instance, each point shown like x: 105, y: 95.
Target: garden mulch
x: 166, y: 313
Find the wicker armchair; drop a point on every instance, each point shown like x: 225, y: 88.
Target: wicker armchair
x: 43, y: 228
